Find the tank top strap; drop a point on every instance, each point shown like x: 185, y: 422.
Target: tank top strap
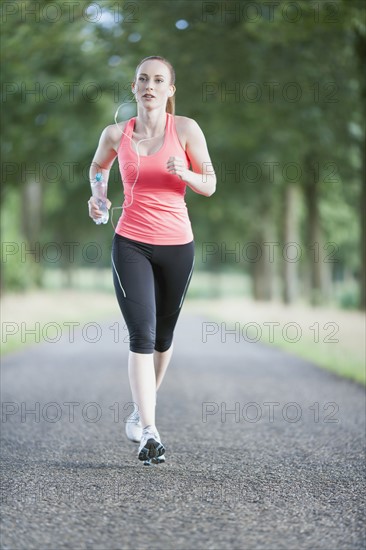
x: 169, y: 124
x: 127, y: 131
x: 172, y: 133
x: 130, y: 126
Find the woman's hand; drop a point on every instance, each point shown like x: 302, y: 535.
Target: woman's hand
x: 94, y: 211
x: 176, y: 165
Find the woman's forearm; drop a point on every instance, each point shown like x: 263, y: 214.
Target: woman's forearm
x: 97, y: 169
x: 203, y: 184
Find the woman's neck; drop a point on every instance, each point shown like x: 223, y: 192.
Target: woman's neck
x: 150, y: 123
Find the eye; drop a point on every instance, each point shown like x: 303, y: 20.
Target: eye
x: 159, y: 80
x: 141, y: 78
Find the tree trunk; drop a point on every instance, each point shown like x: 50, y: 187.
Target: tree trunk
x: 315, y: 243
x: 263, y: 268
x: 363, y: 232
x: 31, y: 207
x: 360, y: 51
x: 291, y: 253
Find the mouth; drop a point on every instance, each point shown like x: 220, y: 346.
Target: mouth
x: 149, y: 96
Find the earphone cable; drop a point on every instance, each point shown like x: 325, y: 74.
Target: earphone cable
x: 138, y: 160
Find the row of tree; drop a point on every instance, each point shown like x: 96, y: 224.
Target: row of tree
x: 278, y: 90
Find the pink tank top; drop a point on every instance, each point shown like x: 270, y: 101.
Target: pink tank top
x: 158, y: 213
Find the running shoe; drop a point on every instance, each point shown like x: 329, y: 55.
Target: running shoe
x: 151, y: 446
x: 134, y: 427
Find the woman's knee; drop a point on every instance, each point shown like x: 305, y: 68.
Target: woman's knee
x: 165, y: 325
x: 142, y: 338
x: 163, y: 344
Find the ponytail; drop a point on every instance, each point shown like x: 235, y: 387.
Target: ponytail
x: 170, y: 105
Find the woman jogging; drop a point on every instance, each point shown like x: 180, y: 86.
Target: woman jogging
x: 159, y: 154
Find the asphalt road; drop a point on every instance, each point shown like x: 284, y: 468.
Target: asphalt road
x: 264, y: 451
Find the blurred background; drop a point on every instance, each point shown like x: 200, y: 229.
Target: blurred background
x: 278, y: 89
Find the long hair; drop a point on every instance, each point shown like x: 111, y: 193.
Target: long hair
x: 170, y: 104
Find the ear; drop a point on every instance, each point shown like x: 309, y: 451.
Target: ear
x: 171, y: 92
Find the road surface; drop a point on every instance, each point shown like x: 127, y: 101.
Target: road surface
x: 264, y: 450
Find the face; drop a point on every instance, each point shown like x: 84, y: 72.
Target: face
x: 153, y: 84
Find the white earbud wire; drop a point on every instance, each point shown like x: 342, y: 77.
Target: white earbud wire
x: 138, y: 159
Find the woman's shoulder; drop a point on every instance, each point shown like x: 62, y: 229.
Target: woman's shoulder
x: 188, y: 130
x: 113, y: 133
x: 184, y: 122
x: 186, y: 127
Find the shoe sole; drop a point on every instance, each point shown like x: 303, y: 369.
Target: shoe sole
x: 152, y: 450
x: 134, y: 440
x: 156, y: 460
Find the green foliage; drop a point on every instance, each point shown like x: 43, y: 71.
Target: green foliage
x: 228, y: 49
x: 19, y: 271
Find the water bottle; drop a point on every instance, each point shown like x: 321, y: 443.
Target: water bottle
x: 99, y: 189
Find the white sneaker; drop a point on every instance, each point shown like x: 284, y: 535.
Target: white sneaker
x: 150, y: 445
x: 134, y: 427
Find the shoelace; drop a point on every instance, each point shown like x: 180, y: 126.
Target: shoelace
x: 151, y: 433
x: 135, y: 418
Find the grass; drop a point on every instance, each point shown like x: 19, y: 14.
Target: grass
x: 219, y: 298
x: 20, y: 313
x: 330, y: 338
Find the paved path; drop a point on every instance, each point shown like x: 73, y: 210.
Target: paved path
x: 283, y: 470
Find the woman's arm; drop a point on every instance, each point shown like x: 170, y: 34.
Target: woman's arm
x: 202, y: 177
x: 102, y: 162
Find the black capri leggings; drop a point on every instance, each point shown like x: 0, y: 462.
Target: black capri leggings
x: 151, y: 282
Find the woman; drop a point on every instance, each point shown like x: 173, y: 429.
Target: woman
x: 153, y: 244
